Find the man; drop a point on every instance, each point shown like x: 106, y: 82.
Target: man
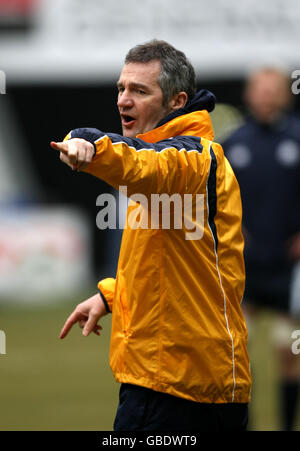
x: 265, y: 155
x: 179, y: 340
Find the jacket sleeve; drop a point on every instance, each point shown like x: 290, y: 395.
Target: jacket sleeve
x: 169, y: 166
x: 106, y: 288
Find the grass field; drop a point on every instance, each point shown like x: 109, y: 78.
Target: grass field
x: 52, y: 384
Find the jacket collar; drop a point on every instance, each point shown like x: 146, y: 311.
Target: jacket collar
x: 193, y: 120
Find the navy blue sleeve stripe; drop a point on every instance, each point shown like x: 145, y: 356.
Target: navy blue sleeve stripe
x: 104, y: 301
x: 212, y: 195
x: 189, y: 143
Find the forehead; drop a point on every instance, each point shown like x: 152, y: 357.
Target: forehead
x: 145, y: 73
x: 268, y: 79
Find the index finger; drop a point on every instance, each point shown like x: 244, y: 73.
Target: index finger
x: 60, y: 146
x: 73, y: 319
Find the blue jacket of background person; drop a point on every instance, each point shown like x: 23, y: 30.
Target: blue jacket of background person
x: 266, y: 161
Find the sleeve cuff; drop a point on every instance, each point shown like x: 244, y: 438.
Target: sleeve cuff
x: 104, y: 301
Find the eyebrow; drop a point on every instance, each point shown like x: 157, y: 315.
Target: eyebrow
x: 133, y: 85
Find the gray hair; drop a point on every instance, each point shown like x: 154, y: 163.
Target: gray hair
x: 177, y: 74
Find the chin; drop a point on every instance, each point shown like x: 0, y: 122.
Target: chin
x: 129, y: 133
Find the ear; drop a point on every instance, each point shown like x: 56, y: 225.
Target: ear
x: 178, y: 101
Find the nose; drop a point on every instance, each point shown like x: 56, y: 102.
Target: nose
x: 124, y: 99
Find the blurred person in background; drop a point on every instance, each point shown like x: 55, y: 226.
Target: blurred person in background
x: 265, y: 156
x: 179, y: 339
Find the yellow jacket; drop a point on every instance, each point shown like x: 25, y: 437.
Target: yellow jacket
x: 177, y: 323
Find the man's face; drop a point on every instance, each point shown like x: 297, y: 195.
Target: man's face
x: 140, y: 99
x: 267, y: 95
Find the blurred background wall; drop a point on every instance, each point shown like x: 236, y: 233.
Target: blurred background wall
x: 61, y: 60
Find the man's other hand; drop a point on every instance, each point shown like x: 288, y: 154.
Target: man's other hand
x: 76, y: 152
x: 87, y: 315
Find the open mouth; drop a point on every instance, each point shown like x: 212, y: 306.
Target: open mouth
x: 127, y: 120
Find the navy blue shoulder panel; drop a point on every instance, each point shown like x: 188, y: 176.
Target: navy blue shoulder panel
x: 89, y: 134
x: 179, y: 142
x: 212, y: 195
